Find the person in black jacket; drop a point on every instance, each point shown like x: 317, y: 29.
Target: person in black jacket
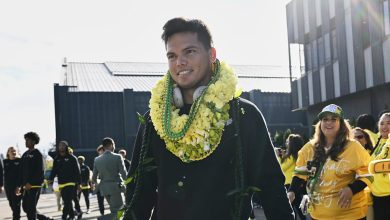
x: 67, y: 169
x: 31, y: 177
x: 11, y: 175
x: 122, y: 152
x: 201, y: 152
x: 85, y: 181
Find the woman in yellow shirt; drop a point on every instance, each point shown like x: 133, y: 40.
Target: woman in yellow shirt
x: 335, y: 168
x: 364, y: 139
x: 294, y: 143
x: 380, y: 188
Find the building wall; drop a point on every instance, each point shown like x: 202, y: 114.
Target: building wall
x: 372, y: 101
x: 347, y: 41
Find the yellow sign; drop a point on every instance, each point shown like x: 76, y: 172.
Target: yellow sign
x: 379, y: 166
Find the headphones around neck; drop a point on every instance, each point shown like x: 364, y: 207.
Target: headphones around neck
x: 178, y: 100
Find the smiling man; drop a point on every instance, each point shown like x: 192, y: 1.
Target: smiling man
x: 202, y: 151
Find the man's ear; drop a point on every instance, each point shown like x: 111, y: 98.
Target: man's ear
x: 213, y: 54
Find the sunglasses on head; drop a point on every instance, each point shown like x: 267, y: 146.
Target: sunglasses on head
x: 359, y: 136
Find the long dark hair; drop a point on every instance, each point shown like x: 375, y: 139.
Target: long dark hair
x: 368, y: 146
x: 294, y: 143
x: 342, y: 137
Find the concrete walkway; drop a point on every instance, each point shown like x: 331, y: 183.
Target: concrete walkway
x: 47, y: 205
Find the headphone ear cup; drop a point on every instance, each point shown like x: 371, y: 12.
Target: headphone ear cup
x: 198, y: 92
x: 177, y: 98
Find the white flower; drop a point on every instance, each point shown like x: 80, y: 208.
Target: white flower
x: 206, y: 146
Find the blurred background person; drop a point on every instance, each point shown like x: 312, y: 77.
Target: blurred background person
x: 381, y: 186
x: 363, y: 138
x: 294, y: 143
x: 99, y: 196
x: 56, y: 190
x: 85, y: 181
x: 368, y: 124
x: 67, y: 169
x: 12, y: 165
x: 122, y: 152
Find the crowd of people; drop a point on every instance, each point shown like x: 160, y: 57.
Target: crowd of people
x: 328, y: 177
x: 69, y: 178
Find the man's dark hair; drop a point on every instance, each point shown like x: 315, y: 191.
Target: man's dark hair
x: 366, y: 121
x: 179, y: 25
x: 107, y: 141
x: 33, y: 136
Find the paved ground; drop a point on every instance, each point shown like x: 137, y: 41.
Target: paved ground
x: 47, y: 205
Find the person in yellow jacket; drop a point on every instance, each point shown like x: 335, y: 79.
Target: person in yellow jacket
x: 364, y: 139
x: 336, y: 169
x: 294, y: 143
x: 380, y: 188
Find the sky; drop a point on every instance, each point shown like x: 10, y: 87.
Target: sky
x: 35, y: 36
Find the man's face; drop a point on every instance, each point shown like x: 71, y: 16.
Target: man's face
x: 189, y: 61
x: 62, y: 148
x: 29, y: 143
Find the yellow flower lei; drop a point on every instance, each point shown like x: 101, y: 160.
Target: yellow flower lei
x: 205, y: 131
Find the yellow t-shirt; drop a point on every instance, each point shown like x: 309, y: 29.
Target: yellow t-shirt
x: 373, y: 136
x: 334, y: 176
x: 288, y: 169
x: 381, y: 185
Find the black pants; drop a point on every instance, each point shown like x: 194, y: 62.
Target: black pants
x: 67, y: 194
x: 100, y: 199
x: 295, y: 204
x: 30, y: 201
x: 76, y: 202
x: 14, y: 202
x: 381, y: 207
x: 86, y: 196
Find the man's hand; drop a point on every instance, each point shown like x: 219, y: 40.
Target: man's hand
x: 17, y: 191
x: 27, y: 186
x: 291, y: 196
x: 345, y: 197
x: 1, y: 189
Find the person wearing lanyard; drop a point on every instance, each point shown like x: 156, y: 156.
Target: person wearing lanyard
x: 85, y: 181
x: 11, y: 171
x: 67, y: 169
x: 31, y: 176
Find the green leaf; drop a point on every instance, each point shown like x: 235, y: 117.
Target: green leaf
x: 141, y: 118
x: 150, y: 168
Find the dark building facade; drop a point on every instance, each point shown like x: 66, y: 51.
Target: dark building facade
x: 344, y: 55
x: 98, y: 100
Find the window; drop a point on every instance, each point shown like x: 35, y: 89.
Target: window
x: 365, y: 26
x: 327, y: 48
x: 331, y: 8
x: 321, y: 51
x: 386, y: 16
x: 318, y: 12
x: 308, y: 57
x: 314, y: 54
x: 334, y: 44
